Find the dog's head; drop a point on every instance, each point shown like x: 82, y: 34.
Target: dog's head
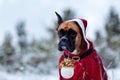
x: 71, y: 35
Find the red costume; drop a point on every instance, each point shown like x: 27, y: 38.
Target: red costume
x: 90, y: 67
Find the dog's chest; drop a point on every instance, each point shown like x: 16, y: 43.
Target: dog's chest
x: 69, y: 68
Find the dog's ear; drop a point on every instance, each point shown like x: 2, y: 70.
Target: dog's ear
x: 59, y: 18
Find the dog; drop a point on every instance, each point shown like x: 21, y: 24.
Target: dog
x: 79, y: 60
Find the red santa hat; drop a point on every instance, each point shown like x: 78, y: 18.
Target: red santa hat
x: 83, y: 25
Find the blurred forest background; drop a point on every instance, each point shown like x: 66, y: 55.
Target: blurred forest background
x: 41, y: 56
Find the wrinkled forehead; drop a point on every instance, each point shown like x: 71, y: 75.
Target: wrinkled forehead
x: 68, y: 25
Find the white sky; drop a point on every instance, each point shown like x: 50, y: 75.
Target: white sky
x: 40, y: 13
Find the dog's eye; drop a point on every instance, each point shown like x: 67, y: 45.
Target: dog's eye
x: 72, y: 33
x: 61, y: 33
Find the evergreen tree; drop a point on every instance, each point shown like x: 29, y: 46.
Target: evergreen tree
x: 22, y: 36
x: 109, y: 47
x: 113, y: 30
x: 8, y: 50
x: 68, y: 14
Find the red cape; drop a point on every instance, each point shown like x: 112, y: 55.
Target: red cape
x: 88, y: 68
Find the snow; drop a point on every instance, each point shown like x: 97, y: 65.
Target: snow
x: 113, y: 74
x: 26, y: 76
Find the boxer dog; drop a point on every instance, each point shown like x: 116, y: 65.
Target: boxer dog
x: 79, y: 60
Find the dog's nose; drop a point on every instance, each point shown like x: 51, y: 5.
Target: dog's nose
x: 63, y: 43
x: 64, y: 40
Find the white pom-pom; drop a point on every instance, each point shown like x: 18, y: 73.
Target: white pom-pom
x: 67, y: 72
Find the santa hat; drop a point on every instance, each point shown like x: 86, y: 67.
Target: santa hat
x: 83, y: 25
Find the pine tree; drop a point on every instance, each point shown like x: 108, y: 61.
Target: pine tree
x: 109, y: 47
x: 22, y: 36
x: 8, y: 50
x: 113, y: 30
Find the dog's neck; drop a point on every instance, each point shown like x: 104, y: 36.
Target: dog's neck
x: 82, y: 47
x: 75, y: 52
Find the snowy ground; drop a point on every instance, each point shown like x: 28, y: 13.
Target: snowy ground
x: 114, y: 74
x: 27, y: 76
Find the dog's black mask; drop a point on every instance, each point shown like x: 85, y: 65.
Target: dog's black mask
x: 67, y: 40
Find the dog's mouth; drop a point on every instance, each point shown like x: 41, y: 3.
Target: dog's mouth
x: 66, y: 44
x: 72, y: 51
x: 63, y: 47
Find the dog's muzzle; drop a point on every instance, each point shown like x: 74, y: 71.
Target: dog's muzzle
x: 63, y: 44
